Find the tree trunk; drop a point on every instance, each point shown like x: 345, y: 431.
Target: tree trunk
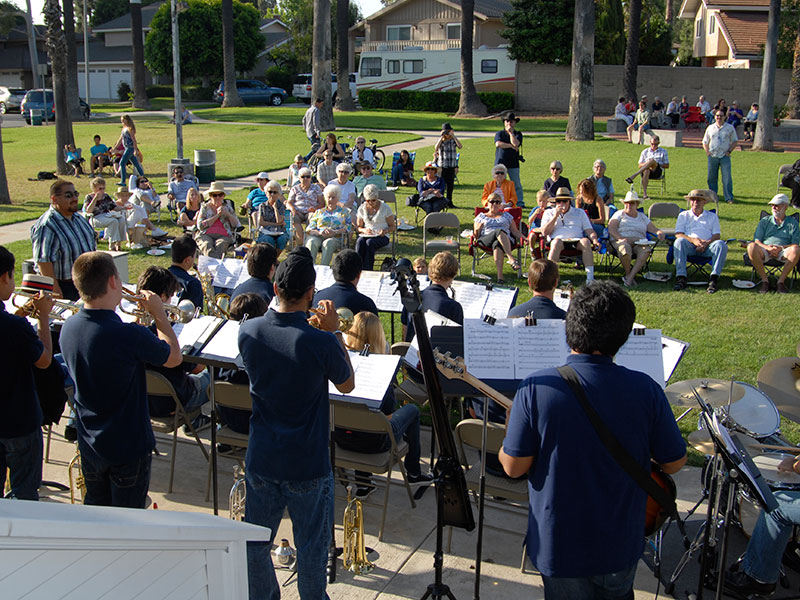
x: 632, y: 50
x: 469, y: 103
x: 669, y: 13
x: 764, y: 138
x: 321, y: 63
x: 793, y: 102
x: 5, y: 197
x: 57, y: 49
x: 231, y: 97
x: 580, y: 125
x: 344, y: 98
x: 137, y: 41
x: 72, y: 61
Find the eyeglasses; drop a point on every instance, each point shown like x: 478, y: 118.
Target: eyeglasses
x: 272, y: 191
x: 217, y: 194
x: 554, y: 169
x: 494, y: 202
x: 179, y: 172
x: 68, y: 194
x: 305, y: 176
x: 144, y: 181
x: 561, y: 200
x: 720, y: 116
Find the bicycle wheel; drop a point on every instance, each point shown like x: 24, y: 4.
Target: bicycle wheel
x: 380, y: 159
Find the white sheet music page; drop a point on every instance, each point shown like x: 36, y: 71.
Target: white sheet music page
x: 498, y: 302
x: 642, y: 352
x: 244, y: 275
x: 206, y: 264
x: 225, y: 343
x: 196, y: 330
x: 472, y: 298
x: 432, y: 319
x: 324, y: 277
x: 227, y: 273
x: 561, y: 298
x: 672, y: 351
x: 373, y: 375
x: 489, y: 349
x: 387, y: 298
x: 369, y: 283
x: 539, y: 346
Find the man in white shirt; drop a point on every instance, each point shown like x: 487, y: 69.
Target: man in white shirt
x: 718, y: 142
x: 705, y: 107
x: 652, y: 162
x: 697, y: 233
x: 565, y: 222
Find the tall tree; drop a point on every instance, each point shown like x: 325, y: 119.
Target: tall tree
x: 137, y: 41
x: 793, y: 102
x: 344, y: 97
x: 632, y: 50
x: 72, y: 61
x: 5, y: 196
x: 764, y: 139
x: 669, y: 13
x: 231, y: 97
x: 469, y: 103
x: 321, y: 63
x: 580, y: 125
x: 57, y: 49
x: 609, y: 33
x: 539, y: 32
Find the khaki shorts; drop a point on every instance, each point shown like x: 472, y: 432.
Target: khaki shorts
x: 781, y: 257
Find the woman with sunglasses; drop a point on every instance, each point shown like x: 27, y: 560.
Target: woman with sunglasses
x: 144, y: 196
x: 271, y: 218
x: 555, y: 181
x: 216, y: 223
x: 501, y: 185
x: 496, y: 229
x: 304, y: 198
x: 375, y: 222
x: 431, y: 190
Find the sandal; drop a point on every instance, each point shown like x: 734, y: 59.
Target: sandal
x: 514, y: 265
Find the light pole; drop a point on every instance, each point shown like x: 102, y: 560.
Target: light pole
x: 34, y: 52
x: 86, y: 50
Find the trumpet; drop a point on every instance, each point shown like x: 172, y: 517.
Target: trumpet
x: 218, y: 304
x: 27, y: 307
x: 345, y: 318
x: 184, y: 312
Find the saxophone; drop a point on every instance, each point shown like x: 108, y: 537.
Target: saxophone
x: 217, y: 304
x: 76, y: 481
x: 355, y: 553
x: 238, y: 494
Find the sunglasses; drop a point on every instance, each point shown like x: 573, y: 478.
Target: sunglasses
x: 178, y: 172
x: 217, y: 195
x: 499, y: 173
x: 69, y: 194
x: 494, y: 201
x: 561, y: 200
x: 305, y: 176
x: 554, y: 169
x: 272, y: 192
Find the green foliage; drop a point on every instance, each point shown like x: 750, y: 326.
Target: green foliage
x: 123, y: 91
x: 683, y: 32
x: 103, y: 11
x: 539, y: 32
x: 279, y: 77
x: 609, y: 40
x: 655, y: 41
x: 159, y: 91
x: 9, y: 17
x: 430, y: 101
x: 790, y: 20
x: 201, y: 39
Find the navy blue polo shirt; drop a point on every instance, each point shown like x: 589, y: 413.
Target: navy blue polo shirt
x: 163, y: 406
x: 576, y: 490
x: 192, y: 288
x: 345, y: 294
x: 540, y: 307
x: 255, y: 285
x: 19, y: 403
x: 107, y: 360
x: 289, y: 363
x: 435, y: 298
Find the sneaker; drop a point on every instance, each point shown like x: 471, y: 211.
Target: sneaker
x: 132, y: 246
x: 713, y: 284
x: 741, y: 584
x: 421, y: 479
x: 363, y: 491
x: 70, y: 433
x: 680, y: 283
x: 781, y: 288
x: 629, y: 180
x: 764, y: 287
x: 158, y: 232
x: 200, y: 423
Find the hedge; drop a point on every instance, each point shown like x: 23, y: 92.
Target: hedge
x: 191, y: 93
x: 430, y: 101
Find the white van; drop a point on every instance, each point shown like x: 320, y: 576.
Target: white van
x: 302, y: 87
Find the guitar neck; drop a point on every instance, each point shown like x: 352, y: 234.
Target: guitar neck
x: 486, y: 390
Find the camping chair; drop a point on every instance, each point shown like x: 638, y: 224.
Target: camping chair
x: 391, y: 247
x: 395, y: 160
x: 158, y: 385
x: 694, y: 118
x: 81, y: 160
x: 478, y: 251
x: 442, y: 220
x: 358, y: 417
x: 782, y: 171
x: 773, y: 266
x: 237, y: 396
x: 695, y: 265
x: 172, y: 206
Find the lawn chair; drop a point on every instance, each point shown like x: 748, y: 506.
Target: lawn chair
x: 773, y: 266
x: 442, y: 220
x: 395, y: 160
x: 478, y: 251
x: 694, y: 118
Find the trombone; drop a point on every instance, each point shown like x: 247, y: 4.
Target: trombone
x: 184, y: 312
x: 27, y: 307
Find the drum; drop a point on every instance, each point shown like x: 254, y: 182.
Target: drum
x: 754, y: 414
x: 777, y: 480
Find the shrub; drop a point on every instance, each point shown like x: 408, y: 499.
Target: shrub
x: 191, y: 93
x: 279, y: 77
x: 159, y: 91
x: 430, y: 101
x: 123, y: 91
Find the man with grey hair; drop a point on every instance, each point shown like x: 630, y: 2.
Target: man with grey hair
x: 652, y: 162
x: 605, y: 189
x: 776, y: 238
x: 697, y: 233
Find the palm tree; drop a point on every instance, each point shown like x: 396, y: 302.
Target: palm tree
x: 793, y: 102
x: 581, y: 95
x: 321, y: 63
x: 764, y: 139
x: 137, y: 41
x: 5, y: 197
x: 344, y: 98
x: 469, y: 103
x: 632, y: 50
x: 231, y: 97
x: 57, y: 49
x: 72, y: 61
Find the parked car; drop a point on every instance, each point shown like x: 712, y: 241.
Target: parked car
x: 302, y: 87
x: 10, y: 99
x: 252, y: 91
x: 43, y: 100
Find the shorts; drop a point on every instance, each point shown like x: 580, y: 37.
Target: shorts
x: 656, y: 172
x: 781, y: 257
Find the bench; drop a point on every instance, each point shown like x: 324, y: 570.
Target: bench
x: 616, y: 126
x: 671, y: 138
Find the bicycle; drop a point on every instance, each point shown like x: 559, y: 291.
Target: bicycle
x: 379, y: 158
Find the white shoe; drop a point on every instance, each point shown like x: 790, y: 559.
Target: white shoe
x: 157, y: 232
x: 135, y: 246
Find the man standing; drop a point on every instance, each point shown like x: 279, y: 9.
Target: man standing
x: 177, y: 189
x: 59, y: 237
x: 697, y: 233
x: 311, y: 125
x: 346, y: 268
x: 652, y: 162
x: 542, y: 280
x: 289, y: 363
x: 776, y: 238
x: 564, y: 222
x: 445, y: 154
x: 550, y: 437
x: 508, y: 143
x: 718, y: 142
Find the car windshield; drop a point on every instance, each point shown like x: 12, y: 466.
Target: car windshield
x: 37, y: 97
x: 16, y: 91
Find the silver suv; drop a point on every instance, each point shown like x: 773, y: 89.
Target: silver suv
x: 302, y: 87
x: 10, y: 99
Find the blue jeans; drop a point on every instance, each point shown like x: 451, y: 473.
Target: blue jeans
x: 23, y: 457
x: 200, y: 395
x: 714, y: 165
x: 315, y: 145
x: 310, y: 505
x: 397, y: 173
x: 762, y: 560
x: 129, y: 155
x: 123, y: 485
x: 366, y: 248
x: 717, y: 251
x: 612, y: 586
x: 513, y: 175
x: 277, y: 241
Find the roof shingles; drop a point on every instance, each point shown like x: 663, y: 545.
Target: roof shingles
x: 746, y: 31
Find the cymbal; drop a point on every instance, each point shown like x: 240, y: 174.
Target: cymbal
x: 713, y: 391
x: 700, y: 440
x: 780, y: 380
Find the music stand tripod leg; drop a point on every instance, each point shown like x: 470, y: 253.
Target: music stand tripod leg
x: 733, y: 490
x: 438, y: 590
x: 214, y: 491
x: 481, y: 500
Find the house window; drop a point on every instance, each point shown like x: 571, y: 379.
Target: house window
x: 489, y: 66
x: 398, y: 32
x: 454, y: 31
x: 698, y: 30
x: 712, y: 24
x: 371, y: 67
x: 392, y: 66
x: 412, y: 66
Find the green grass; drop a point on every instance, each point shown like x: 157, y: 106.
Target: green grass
x: 155, y: 104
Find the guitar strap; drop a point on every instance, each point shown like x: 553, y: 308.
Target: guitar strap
x: 619, y: 453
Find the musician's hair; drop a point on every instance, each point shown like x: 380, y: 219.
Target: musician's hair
x: 58, y: 185
x: 182, y: 248
x: 260, y: 259
x: 443, y: 267
x: 91, y: 272
x: 159, y: 281
x: 600, y: 318
x: 6, y: 261
x: 346, y: 266
x: 249, y: 304
x: 366, y: 329
x: 543, y: 275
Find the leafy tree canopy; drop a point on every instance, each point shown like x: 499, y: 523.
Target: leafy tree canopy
x: 10, y: 17
x: 655, y: 41
x: 609, y: 41
x: 103, y: 11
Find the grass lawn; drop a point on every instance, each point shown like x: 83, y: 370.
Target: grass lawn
x: 155, y: 104
x: 388, y: 119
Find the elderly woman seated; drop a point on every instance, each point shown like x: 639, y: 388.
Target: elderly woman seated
x: 271, y: 218
x: 304, y: 198
x: 431, y: 189
x: 556, y: 180
x: 496, y: 229
x: 626, y: 227
x: 375, y: 222
x: 501, y: 185
x: 216, y: 222
x: 328, y: 226
x: 605, y: 188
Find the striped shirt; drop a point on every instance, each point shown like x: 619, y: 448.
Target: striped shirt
x: 448, y: 154
x: 61, y: 241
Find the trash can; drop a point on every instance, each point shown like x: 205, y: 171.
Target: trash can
x: 36, y: 116
x: 205, y: 165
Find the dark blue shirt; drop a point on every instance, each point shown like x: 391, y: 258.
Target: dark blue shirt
x: 192, y: 288
x: 540, y: 307
x: 435, y: 298
x: 289, y: 363
x: 20, y: 348
x: 423, y: 185
x: 551, y: 187
x: 255, y: 285
x: 576, y: 489
x: 345, y: 294
x: 235, y: 418
x: 107, y: 360
x: 507, y: 156
x: 163, y: 406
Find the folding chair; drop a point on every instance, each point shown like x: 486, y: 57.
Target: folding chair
x: 694, y: 118
x: 235, y: 396
x: 158, y: 385
x: 442, y: 220
x: 773, y: 266
x: 412, y: 388
x: 668, y: 210
x: 478, y: 251
x: 390, y: 198
x: 782, y: 171
x: 662, y: 180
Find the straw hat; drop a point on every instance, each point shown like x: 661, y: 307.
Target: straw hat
x: 631, y: 196
x: 432, y: 165
x: 216, y: 186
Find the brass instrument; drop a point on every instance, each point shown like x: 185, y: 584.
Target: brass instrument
x: 57, y: 312
x: 345, y: 318
x: 354, y: 556
x: 184, y: 312
x: 218, y: 305
x: 238, y: 494
x: 76, y: 480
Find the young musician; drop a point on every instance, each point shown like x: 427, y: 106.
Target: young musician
x: 289, y: 363
x: 183, y: 250
x: 542, y: 280
x: 261, y: 262
x: 107, y: 360
x: 21, y: 425
x: 442, y: 271
x: 346, y: 268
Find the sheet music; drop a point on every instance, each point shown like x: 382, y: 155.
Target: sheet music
x: 128, y: 305
x: 472, y: 298
x: 206, y: 264
x: 194, y: 334
x: 499, y: 302
x: 225, y: 344
x: 489, y: 351
x: 643, y: 353
x: 244, y: 275
x: 369, y: 283
x: 432, y: 319
x: 388, y: 298
x: 373, y: 375
x: 561, y: 298
x: 672, y: 351
x: 228, y: 272
x: 540, y: 346
x: 324, y: 277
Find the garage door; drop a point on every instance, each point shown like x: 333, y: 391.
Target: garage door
x: 118, y: 75
x: 98, y: 84
x: 11, y: 78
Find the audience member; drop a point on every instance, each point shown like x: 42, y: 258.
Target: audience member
x: 652, y: 162
x: 445, y: 154
x: 625, y: 228
x: 431, y: 189
x: 103, y: 212
x: 563, y: 225
x: 271, y: 218
x: 588, y: 199
x: 375, y: 222
x: 366, y: 178
x: 552, y: 184
x: 101, y: 156
x: 361, y: 153
x: 328, y: 227
x: 776, y: 238
x: 697, y: 233
x: 332, y: 144
x: 719, y: 142
x: 326, y: 169
x: 403, y: 170
x: 750, y: 121
x: 178, y: 186
x: 187, y: 214
x: 294, y: 171
x: 621, y: 111
x: 641, y: 123
x: 604, y: 185
x: 496, y: 229
x: 501, y: 185
x: 508, y: 152
x: 304, y: 198
x: 216, y: 222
